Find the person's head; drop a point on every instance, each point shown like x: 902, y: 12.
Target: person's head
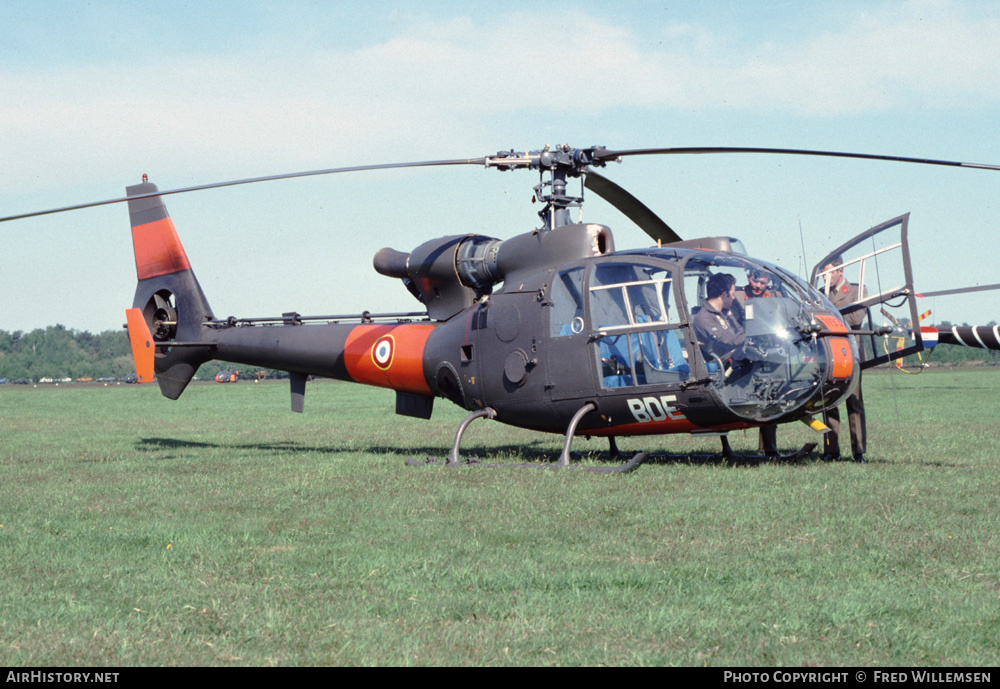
x: 721, y: 285
x: 836, y: 274
x: 757, y: 281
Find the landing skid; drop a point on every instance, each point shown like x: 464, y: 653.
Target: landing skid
x: 732, y: 458
x: 454, y: 458
x: 630, y: 465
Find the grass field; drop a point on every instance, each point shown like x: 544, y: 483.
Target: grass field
x: 222, y: 529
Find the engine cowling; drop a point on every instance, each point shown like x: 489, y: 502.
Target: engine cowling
x: 449, y: 274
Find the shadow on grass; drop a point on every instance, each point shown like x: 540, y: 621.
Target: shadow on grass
x: 530, y: 451
x: 534, y: 452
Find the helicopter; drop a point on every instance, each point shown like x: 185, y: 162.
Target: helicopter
x: 555, y: 329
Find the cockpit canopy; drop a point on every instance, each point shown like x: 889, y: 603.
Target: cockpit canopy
x: 641, y: 312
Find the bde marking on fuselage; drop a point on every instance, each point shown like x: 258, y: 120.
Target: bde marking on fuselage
x: 654, y: 408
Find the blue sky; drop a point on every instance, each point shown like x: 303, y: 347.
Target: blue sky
x: 96, y: 94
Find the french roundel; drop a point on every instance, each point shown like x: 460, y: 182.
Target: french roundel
x: 382, y: 352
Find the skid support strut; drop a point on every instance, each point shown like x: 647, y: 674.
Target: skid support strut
x: 727, y: 450
x: 613, y: 451
x: 571, y: 431
x: 453, y: 458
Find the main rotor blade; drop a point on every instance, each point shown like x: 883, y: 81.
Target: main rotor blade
x: 598, y: 155
x: 612, y: 155
x: 984, y: 336
x: 252, y: 180
x: 961, y: 290
x: 634, y: 209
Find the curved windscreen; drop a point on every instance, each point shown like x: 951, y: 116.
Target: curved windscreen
x: 757, y: 340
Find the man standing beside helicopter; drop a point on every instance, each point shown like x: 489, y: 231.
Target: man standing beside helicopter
x: 840, y: 292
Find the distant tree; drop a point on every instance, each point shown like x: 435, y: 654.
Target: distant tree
x: 59, y: 352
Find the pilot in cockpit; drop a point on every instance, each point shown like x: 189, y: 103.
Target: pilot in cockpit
x: 718, y: 330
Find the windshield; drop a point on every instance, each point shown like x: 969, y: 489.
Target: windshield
x: 751, y: 320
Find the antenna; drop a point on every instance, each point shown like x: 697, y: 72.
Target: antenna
x: 805, y: 264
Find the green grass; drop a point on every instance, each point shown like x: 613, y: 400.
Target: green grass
x: 222, y: 529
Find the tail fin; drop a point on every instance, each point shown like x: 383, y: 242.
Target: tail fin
x: 143, y: 352
x: 172, y: 305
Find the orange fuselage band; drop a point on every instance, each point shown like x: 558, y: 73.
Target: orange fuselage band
x: 389, y: 356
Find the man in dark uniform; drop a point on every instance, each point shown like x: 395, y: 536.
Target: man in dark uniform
x: 841, y: 293
x: 718, y: 331
x: 759, y: 286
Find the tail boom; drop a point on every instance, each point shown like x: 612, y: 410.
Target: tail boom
x: 383, y: 355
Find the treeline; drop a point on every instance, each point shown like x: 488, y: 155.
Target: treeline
x: 58, y: 352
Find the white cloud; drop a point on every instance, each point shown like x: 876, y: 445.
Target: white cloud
x: 440, y: 82
x: 915, y: 54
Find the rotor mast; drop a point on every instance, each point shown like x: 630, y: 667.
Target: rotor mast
x: 561, y: 162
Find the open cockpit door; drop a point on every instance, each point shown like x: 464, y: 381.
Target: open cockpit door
x: 870, y: 280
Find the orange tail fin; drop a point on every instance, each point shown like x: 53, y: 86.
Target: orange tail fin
x: 141, y: 340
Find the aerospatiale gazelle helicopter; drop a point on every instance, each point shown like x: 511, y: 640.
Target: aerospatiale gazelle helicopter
x: 554, y: 329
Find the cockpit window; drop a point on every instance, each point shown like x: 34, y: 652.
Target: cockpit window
x: 567, y: 303
x: 638, y: 341
x: 752, y: 277
x: 628, y: 294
